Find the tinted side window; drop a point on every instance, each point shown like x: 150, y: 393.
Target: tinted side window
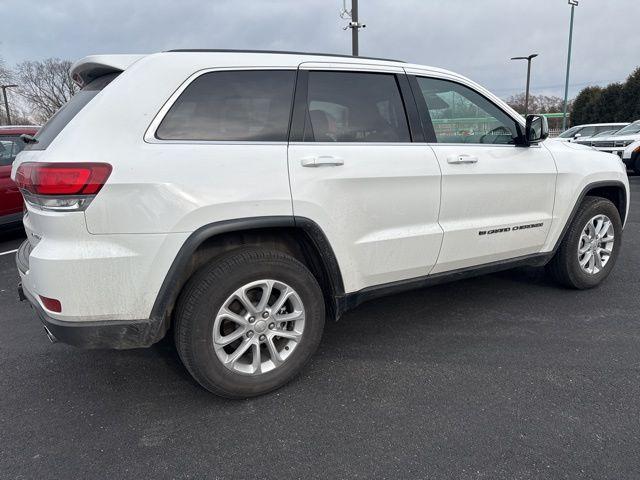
x: 10, y: 146
x: 461, y: 115
x: 247, y: 105
x: 62, y: 117
x: 354, y: 107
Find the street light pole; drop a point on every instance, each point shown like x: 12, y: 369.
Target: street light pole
x: 574, y: 4
x: 526, y: 98
x: 6, y: 101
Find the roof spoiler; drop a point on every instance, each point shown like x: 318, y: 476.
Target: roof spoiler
x: 89, y: 68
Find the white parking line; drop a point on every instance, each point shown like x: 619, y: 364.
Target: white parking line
x: 7, y: 253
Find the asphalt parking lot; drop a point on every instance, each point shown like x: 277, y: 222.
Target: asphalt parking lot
x: 503, y: 376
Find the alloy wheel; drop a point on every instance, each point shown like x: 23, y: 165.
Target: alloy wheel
x: 258, y: 327
x: 596, y: 244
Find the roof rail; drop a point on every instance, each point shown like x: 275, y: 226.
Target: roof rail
x: 223, y: 50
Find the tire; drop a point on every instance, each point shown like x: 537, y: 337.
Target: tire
x: 198, y: 317
x: 565, y: 266
x: 636, y: 164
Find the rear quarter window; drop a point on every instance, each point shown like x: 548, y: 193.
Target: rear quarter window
x: 252, y: 105
x: 62, y: 117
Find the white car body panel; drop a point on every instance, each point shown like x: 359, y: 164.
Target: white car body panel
x: 380, y: 216
x: 510, y: 187
x: 579, y: 166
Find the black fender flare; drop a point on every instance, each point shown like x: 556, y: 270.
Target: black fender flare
x: 170, y: 288
x: 624, y: 201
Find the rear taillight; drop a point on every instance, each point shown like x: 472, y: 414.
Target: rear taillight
x: 61, y: 186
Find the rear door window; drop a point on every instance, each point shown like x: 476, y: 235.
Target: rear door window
x: 62, y: 117
x: 251, y: 105
x: 355, y: 107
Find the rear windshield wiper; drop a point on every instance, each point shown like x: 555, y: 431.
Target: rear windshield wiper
x: 26, y: 138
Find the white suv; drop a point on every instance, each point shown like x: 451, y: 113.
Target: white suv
x: 625, y: 143
x: 239, y: 198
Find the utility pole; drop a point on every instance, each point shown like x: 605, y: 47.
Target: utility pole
x: 574, y: 4
x: 354, y: 28
x: 526, y: 97
x: 353, y: 24
x: 6, y: 102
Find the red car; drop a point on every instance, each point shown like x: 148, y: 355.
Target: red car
x: 10, y: 198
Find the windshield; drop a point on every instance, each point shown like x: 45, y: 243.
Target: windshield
x: 629, y: 129
x: 605, y: 134
x: 570, y: 133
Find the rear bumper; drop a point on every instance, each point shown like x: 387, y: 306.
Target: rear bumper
x: 112, y: 334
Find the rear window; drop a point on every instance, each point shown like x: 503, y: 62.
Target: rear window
x: 251, y: 105
x: 62, y: 117
x: 10, y: 146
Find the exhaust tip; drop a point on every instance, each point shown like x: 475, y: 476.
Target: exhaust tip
x: 50, y: 335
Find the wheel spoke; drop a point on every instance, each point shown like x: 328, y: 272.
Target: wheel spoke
x: 227, y: 339
x: 266, y: 294
x: 598, y: 225
x: 273, y: 352
x: 284, y: 296
x: 290, y: 317
x: 605, y: 228
x: 598, y: 261
x: 234, y: 317
x: 242, y: 297
x: 586, y: 258
x: 257, y: 359
x: 584, y: 248
x: 592, y: 263
x: 241, y: 350
x: 290, y: 334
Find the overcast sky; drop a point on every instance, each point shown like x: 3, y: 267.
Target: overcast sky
x: 473, y: 37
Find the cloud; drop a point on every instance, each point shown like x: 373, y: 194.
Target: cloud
x: 473, y: 37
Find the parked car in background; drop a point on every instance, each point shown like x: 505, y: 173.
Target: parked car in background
x: 10, y: 198
x: 625, y: 143
x: 583, y: 131
x: 589, y: 140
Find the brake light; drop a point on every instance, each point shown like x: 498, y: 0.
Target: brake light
x: 62, y: 178
x: 61, y: 186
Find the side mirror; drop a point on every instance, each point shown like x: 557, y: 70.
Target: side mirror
x: 537, y: 129
x: 577, y: 136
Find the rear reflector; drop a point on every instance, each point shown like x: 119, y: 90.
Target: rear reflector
x: 51, y: 304
x: 62, y: 179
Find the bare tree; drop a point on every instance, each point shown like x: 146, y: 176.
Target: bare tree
x: 537, y: 103
x: 45, y: 86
